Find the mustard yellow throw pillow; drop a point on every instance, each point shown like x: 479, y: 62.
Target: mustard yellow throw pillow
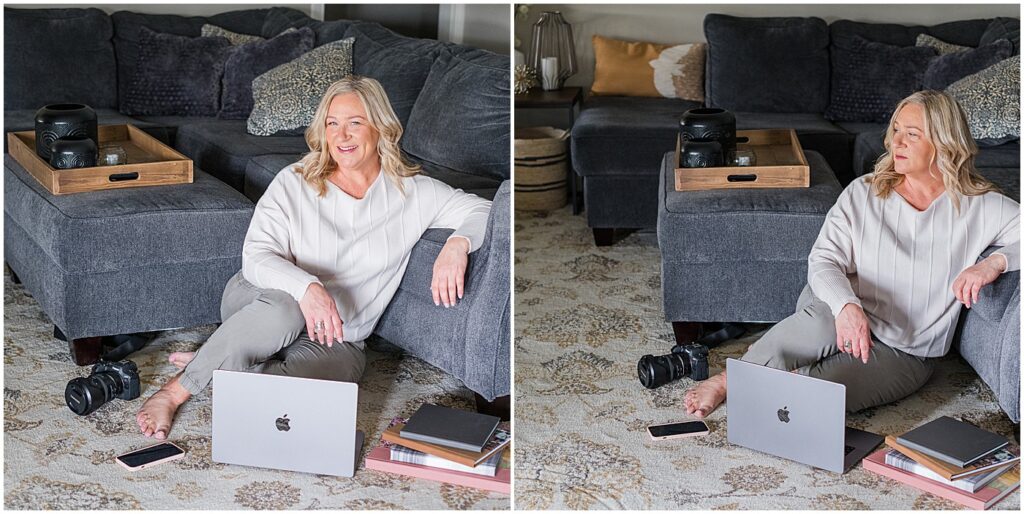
x: 634, y: 68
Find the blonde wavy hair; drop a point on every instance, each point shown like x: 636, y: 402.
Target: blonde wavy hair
x: 945, y: 126
x: 318, y: 165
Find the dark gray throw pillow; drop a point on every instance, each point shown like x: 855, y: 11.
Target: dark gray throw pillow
x: 947, y: 69
x: 869, y: 79
x: 251, y: 60
x: 176, y: 75
x: 1002, y: 28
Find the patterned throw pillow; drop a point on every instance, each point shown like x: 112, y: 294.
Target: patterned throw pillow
x: 176, y: 75
x: 991, y: 99
x: 632, y: 68
x: 939, y: 45
x: 286, y: 97
x: 234, y: 37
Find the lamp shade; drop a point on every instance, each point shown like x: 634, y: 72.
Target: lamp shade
x: 552, y: 37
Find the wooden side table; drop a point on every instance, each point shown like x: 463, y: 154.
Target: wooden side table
x: 566, y: 98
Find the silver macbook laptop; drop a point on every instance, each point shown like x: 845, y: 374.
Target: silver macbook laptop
x: 793, y: 416
x: 295, y: 424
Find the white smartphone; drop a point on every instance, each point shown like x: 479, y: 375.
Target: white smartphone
x: 678, y: 430
x: 150, y: 456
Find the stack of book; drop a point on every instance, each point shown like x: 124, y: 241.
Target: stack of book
x: 447, y: 445
x: 951, y: 459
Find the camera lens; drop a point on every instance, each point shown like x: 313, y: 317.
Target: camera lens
x: 85, y: 395
x: 655, y: 372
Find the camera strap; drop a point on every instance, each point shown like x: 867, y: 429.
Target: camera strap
x: 726, y: 332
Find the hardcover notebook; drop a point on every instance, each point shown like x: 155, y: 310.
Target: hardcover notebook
x: 988, y: 496
x: 450, y: 427
x: 952, y: 441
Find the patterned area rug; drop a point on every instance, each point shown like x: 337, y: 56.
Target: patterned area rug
x: 583, y: 317
x: 54, y: 459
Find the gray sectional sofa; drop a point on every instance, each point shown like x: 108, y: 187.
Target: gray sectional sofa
x: 774, y: 73
x: 158, y: 257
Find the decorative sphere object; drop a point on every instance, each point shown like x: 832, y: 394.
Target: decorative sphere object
x: 709, y: 123
x: 73, y: 152
x: 56, y: 121
x: 525, y: 78
x: 701, y: 153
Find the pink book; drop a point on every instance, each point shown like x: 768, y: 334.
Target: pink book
x: 380, y: 460
x: 981, y: 500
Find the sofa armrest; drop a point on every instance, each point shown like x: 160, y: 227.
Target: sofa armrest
x: 487, y: 349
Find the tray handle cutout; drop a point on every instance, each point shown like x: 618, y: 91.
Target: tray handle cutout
x: 122, y: 177
x: 750, y: 177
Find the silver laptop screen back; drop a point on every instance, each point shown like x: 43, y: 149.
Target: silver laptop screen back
x: 786, y: 414
x: 295, y: 424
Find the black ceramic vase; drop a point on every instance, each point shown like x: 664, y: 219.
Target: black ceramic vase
x: 62, y: 120
x: 73, y: 152
x: 711, y: 123
x: 701, y: 153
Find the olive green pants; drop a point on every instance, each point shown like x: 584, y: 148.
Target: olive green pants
x: 806, y: 342
x: 264, y: 331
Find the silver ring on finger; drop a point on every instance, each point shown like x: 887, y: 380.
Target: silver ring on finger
x: 848, y: 345
x: 319, y: 328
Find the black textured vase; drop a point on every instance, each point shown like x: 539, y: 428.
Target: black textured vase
x: 73, y: 152
x: 716, y: 124
x: 701, y: 153
x: 62, y: 120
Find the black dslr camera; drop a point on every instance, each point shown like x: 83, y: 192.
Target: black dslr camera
x: 689, y: 359
x: 107, y: 381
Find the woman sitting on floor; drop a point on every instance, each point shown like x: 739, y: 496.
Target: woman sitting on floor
x: 326, y: 249
x: 896, y: 254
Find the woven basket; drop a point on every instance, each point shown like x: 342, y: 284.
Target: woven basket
x: 542, y: 165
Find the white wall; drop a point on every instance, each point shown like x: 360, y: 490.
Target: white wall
x: 179, y: 9
x: 684, y: 23
x: 487, y: 27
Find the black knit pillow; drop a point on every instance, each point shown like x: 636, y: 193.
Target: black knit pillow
x: 869, y: 79
x: 251, y: 60
x: 176, y: 75
x: 947, y: 69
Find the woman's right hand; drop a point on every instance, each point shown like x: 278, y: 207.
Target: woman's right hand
x: 318, y: 306
x: 852, y: 326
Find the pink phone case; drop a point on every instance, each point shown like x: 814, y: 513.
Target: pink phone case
x: 150, y: 464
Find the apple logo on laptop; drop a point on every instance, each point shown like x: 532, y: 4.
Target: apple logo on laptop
x: 783, y: 415
x: 282, y: 423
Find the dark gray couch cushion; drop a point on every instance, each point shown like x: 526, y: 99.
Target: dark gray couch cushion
x: 58, y: 56
x: 870, y: 78
x: 251, y: 60
x: 225, y: 148
x: 176, y: 75
x: 399, y: 63
x: 791, y: 54
x: 963, y: 33
x: 947, y: 69
x: 461, y: 119
x: 1002, y: 28
x: 281, y: 18
x: 127, y: 26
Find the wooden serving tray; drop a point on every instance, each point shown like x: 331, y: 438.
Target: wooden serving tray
x: 780, y: 163
x: 150, y: 163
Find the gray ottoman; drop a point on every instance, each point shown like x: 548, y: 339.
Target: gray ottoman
x: 128, y: 260
x: 738, y: 254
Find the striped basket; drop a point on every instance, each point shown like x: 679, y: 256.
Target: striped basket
x: 542, y: 165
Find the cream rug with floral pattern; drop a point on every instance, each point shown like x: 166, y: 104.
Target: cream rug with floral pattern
x: 584, y: 315
x: 54, y: 459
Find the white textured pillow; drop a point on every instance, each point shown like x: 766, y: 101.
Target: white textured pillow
x: 679, y: 71
x: 234, y: 37
x: 939, y: 45
x: 991, y: 100
x: 286, y: 97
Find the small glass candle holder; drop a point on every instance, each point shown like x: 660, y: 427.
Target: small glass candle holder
x: 741, y: 157
x: 111, y: 155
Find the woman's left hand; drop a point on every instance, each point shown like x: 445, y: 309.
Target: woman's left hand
x: 972, y: 279
x: 450, y: 272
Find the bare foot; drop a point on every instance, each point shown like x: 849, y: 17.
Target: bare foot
x: 706, y: 397
x: 157, y: 414
x: 181, y: 359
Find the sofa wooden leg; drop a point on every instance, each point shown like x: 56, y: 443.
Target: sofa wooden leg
x: 84, y: 351
x: 686, y: 332
x: 501, y: 406
x: 604, y: 236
